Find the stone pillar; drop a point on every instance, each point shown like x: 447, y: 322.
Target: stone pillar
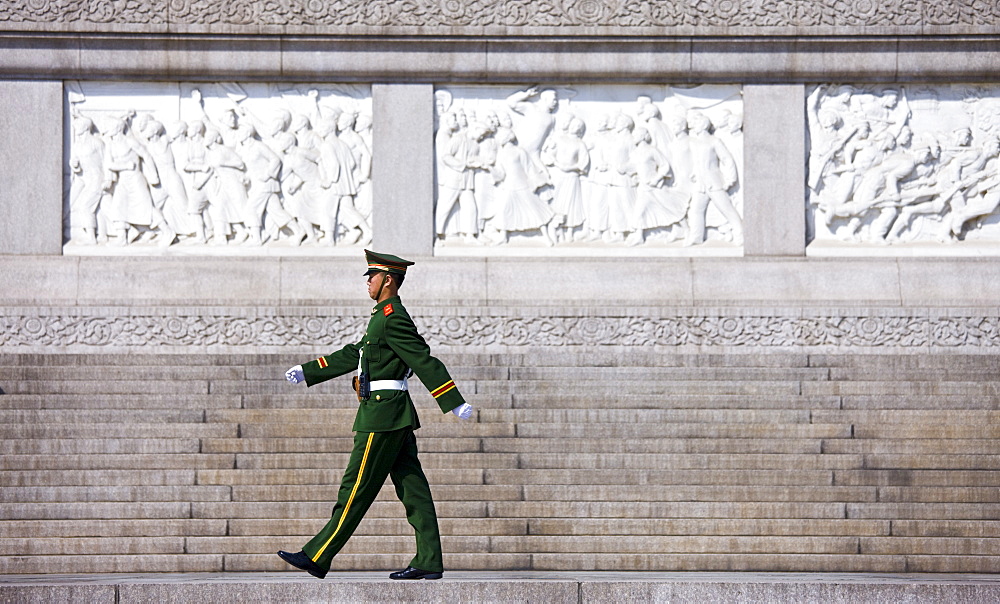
x: 403, y: 169
x: 31, y: 174
x: 774, y: 130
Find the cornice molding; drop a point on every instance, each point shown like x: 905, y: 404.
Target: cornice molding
x: 509, y: 17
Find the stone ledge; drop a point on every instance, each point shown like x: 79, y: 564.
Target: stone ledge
x: 554, y: 587
x: 42, y: 51
x: 504, y: 329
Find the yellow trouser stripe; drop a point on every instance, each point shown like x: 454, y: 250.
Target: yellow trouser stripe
x: 347, y: 507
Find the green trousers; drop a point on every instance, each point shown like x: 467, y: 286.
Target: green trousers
x: 375, y: 456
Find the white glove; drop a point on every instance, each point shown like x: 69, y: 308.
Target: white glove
x: 464, y: 411
x: 294, y: 375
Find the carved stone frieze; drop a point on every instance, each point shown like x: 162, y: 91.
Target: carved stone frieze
x: 589, y: 166
x: 204, y: 166
x: 892, y: 165
x: 69, y: 330
x: 686, y: 15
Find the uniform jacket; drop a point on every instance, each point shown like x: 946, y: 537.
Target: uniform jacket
x: 391, y: 345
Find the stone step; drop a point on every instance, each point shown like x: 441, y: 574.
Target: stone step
x: 498, y: 387
x: 279, y: 461
x: 900, y: 431
x: 452, y: 428
x: 906, y: 361
x: 116, y: 527
x: 931, y: 462
x: 637, y: 493
x: 705, y: 430
x: 904, y: 416
x: 95, y: 510
x: 670, y: 400
x: 936, y: 546
x: 923, y: 374
x: 116, y: 430
x: 38, y: 478
x: 304, y: 399
x: 588, y: 373
x: 126, y: 563
x: 334, y: 417
x: 924, y: 511
x: 706, y: 526
x: 140, y: 387
x: 918, y: 478
x: 120, y: 401
x: 99, y: 546
x: 531, y: 545
x: 657, y: 445
x: 485, y: 527
x: 611, y: 493
x: 101, y: 416
x: 920, y: 402
x: 946, y: 528
x: 129, y: 527
x: 770, y: 562
x: 117, y: 462
x: 952, y: 564
x: 679, y: 509
x: 507, y: 590
x: 440, y: 444
x: 681, y: 461
x: 909, y: 447
x: 876, y: 387
x: 590, y: 416
x: 346, y: 399
x: 320, y: 510
x: 629, y: 477
x: 650, y: 416
x: 90, y: 446
x: 645, y: 387
x: 358, y: 544
x: 966, y: 494
x: 701, y: 544
x: 62, y: 494
x: 328, y: 493
x: 332, y: 476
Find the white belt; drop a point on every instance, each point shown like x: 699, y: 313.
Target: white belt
x: 389, y: 385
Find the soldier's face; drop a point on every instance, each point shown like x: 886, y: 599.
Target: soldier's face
x: 374, y: 283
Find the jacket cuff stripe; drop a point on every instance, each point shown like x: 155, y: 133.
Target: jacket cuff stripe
x: 446, y: 387
x: 322, y: 362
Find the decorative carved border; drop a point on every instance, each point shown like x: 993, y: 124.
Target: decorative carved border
x: 433, y: 16
x: 234, y: 329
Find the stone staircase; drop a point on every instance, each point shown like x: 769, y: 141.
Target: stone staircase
x: 575, y: 461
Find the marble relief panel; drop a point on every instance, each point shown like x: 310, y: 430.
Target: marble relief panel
x: 589, y: 167
x: 898, y: 165
x: 209, y: 166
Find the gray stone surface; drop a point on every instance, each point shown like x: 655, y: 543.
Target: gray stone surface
x: 403, y: 169
x: 774, y: 215
x: 533, y: 586
x: 31, y: 160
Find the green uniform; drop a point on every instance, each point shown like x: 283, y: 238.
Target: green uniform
x: 384, y: 444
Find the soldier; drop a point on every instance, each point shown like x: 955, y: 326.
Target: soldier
x: 384, y: 445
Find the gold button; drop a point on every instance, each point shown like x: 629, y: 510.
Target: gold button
x: 378, y: 397
x: 369, y: 342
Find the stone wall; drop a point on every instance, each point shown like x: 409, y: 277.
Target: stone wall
x: 770, y: 291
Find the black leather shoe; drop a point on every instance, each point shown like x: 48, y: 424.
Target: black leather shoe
x: 301, y: 560
x: 411, y: 573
